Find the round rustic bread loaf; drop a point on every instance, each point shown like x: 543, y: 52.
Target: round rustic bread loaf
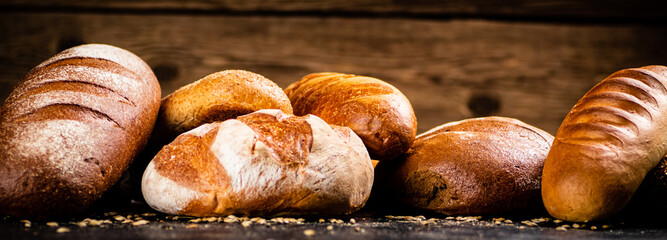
x: 375, y: 110
x: 483, y: 166
x: 71, y: 127
x: 263, y: 163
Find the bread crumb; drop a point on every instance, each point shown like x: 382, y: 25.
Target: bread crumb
x: 309, y: 232
x: 192, y: 226
x: 330, y: 227
x: 353, y: 221
x: 246, y: 223
x: 52, y: 224
x: 62, y: 230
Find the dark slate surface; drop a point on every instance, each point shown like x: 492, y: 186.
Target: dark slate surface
x: 140, y: 222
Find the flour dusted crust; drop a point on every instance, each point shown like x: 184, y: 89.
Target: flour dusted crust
x: 231, y: 167
x: 71, y: 127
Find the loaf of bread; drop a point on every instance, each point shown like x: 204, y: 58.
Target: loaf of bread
x: 217, y: 97
x: 606, y: 145
x: 375, y: 110
x: 479, y: 166
x: 264, y: 163
x: 71, y: 127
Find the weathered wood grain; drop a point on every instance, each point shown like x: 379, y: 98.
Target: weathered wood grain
x: 622, y: 10
x: 450, y: 70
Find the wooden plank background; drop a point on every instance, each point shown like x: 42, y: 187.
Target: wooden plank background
x: 453, y: 59
x: 622, y: 10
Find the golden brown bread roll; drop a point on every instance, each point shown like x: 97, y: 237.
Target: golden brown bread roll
x: 375, y: 110
x: 71, y: 127
x: 606, y: 144
x: 217, y: 97
x: 484, y: 166
x: 263, y: 163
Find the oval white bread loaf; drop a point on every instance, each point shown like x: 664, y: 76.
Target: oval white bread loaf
x: 71, y: 127
x: 479, y: 166
x: 606, y: 145
x: 375, y: 110
x: 263, y: 163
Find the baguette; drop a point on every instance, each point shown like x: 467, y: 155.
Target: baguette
x: 606, y: 145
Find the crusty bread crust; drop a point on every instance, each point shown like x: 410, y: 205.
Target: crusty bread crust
x: 484, y: 166
x: 375, y: 110
x: 71, y: 127
x: 606, y: 145
x: 263, y: 163
x: 217, y: 97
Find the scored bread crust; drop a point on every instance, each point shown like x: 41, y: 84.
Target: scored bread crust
x: 71, y: 127
x: 606, y: 145
x: 489, y: 165
x: 375, y: 110
x: 264, y: 163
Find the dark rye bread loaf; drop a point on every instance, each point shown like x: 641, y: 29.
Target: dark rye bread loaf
x: 479, y: 166
x: 71, y: 127
x: 375, y: 110
x: 606, y: 145
x: 262, y: 164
